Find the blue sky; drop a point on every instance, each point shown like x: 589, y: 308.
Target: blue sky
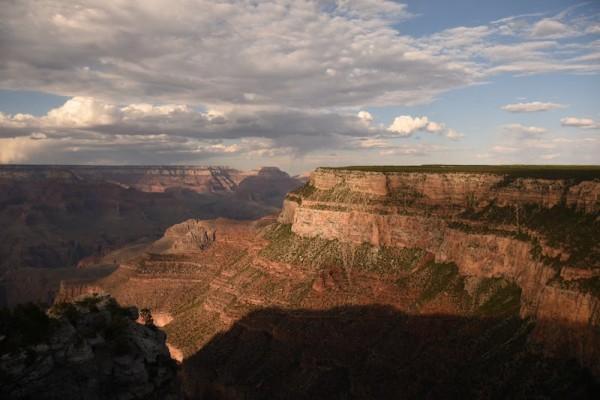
x: 448, y: 14
x: 300, y: 84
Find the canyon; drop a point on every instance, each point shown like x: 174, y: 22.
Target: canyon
x: 474, y: 279
x: 57, y: 218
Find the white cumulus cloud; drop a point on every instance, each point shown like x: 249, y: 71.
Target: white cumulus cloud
x: 365, y: 116
x: 405, y: 125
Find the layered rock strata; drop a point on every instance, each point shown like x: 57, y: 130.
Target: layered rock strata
x: 443, y: 213
x: 157, y: 178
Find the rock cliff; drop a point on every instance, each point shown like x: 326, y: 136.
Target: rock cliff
x: 89, y: 349
x: 533, y: 231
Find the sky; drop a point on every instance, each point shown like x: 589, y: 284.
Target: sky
x: 299, y: 84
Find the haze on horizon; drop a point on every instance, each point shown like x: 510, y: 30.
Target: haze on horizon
x: 299, y: 84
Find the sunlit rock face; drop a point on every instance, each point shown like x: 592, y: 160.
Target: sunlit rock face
x: 540, y: 233
x: 88, y: 349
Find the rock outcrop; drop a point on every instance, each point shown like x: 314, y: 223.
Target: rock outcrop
x: 189, y: 236
x: 492, y: 225
x: 90, y: 349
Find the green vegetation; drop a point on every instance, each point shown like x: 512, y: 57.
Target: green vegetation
x: 486, y: 230
x: 316, y: 252
x: 504, y: 299
x: 190, y: 330
x: 299, y: 292
x: 340, y: 193
x: 490, y: 297
x: 590, y: 285
x: 575, y: 172
x: 440, y: 277
x: 329, y: 207
x: 561, y: 226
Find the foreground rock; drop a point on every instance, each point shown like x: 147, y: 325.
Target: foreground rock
x: 89, y: 349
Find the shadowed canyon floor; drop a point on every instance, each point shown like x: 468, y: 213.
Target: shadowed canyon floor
x: 376, y: 352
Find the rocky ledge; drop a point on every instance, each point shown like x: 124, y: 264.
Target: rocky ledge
x: 89, y: 349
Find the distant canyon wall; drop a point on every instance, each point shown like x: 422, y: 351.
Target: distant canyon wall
x: 201, y: 179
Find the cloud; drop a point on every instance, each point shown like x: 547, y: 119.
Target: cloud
x: 550, y: 156
x: 174, y: 132
x: 38, y: 136
x: 309, y: 54
x: 504, y: 149
x: 434, y: 127
x: 81, y: 112
x: 454, y: 135
x: 550, y: 28
x: 365, y: 116
x: 14, y: 150
x: 585, y: 123
x: 534, y: 106
x: 278, y: 52
x: 372, y: 143
x: 86, y: 130
x: 524, y: 130
x: 405, y: 125
x: 179, y: 81
x: 414, y: 150
x: 530, y: 148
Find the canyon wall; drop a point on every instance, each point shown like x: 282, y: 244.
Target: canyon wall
x: 460, y: 188
x: 200, y: 179
x: 454, y: 216
x: 56, y: 216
